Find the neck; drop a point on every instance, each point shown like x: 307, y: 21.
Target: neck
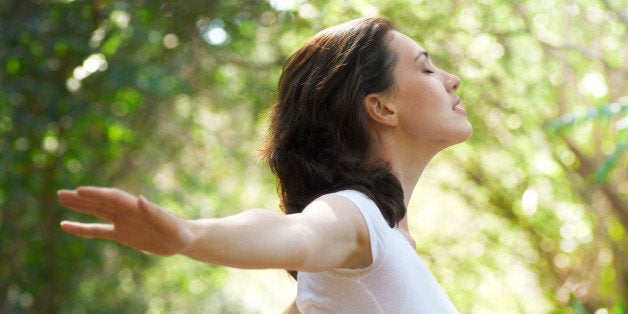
x: 408, y: 165
x: 409, y: 169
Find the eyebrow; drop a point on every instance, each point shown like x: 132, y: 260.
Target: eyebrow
x: 422, y: 53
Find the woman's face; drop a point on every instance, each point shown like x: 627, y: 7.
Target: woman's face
x: 424, y: 95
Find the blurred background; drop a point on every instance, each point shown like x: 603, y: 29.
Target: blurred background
x: 167, y: 99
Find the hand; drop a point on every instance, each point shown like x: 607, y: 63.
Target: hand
x: 134, y: 221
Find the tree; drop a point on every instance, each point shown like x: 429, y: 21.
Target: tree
x: 547, y: 99
x: 167, y: 99
x: 90, y: 94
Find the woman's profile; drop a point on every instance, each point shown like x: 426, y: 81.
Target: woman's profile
x: 361, y: 110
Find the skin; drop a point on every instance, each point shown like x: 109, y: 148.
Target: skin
x: 408, y: 126
x: 255, y: 238
x: 420, y: 117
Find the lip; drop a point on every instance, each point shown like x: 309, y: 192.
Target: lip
x: 456, y: 102
x: 456, y: 106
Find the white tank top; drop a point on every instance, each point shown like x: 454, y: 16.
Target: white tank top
x: 396, y: 282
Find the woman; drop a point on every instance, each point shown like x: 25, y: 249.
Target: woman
x: 361, y: 110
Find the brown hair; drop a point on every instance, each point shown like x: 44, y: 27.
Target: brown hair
x: 318, y: 140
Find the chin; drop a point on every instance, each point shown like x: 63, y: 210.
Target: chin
x: 468, y: 133
x: 460, y: 136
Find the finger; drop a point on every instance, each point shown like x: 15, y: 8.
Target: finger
x: 71, y: 200
x: 66, y: 195
x: 102, y: 231
x: 112, y: 199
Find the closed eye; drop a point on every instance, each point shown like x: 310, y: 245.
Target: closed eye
x: 427, y: 61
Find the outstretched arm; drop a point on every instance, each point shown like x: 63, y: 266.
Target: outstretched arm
x: 329, y: 233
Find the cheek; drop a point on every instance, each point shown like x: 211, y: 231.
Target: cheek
x: 422, y: 101
x: 413, y: 93
x: 418, y: 118
x: 421, y: 87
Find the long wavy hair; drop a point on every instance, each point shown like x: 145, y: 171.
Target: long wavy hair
x: 318, y: 140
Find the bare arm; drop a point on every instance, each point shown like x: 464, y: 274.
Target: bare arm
x: 329, y: 233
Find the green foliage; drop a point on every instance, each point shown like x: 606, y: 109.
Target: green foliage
x: 604, y: 114
x: 87, y: 98
x: 167, y: 99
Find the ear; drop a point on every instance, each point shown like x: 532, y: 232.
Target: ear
x: 380, y: 110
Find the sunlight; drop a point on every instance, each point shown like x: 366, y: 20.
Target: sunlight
x: 593, y: 83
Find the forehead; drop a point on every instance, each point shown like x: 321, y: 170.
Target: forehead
x: 404, y: 46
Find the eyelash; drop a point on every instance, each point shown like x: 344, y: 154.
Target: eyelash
x: 428, y: 71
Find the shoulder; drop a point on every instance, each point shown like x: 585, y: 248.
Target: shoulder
x: 337, y: 219
x: 335, y: 205
x: 346, y: 203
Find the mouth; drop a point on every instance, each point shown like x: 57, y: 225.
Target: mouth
x: 456, y: 106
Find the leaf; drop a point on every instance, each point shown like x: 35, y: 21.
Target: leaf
x: 569, y: 120
x: 604, y: 171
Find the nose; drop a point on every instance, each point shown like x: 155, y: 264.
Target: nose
x: 452, y: 83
